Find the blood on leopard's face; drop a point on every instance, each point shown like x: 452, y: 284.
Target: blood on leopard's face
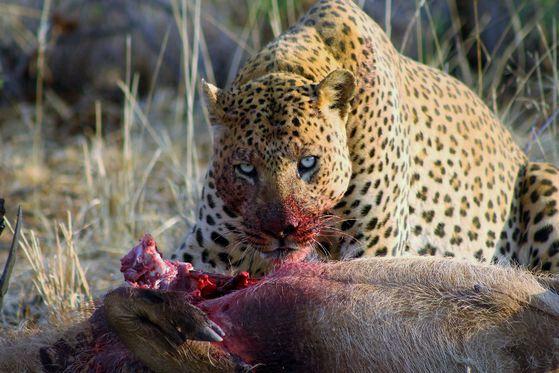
x: 280, y: 165
x: 277, y: 218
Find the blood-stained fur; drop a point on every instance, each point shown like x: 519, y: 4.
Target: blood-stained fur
x: 415, y: 315
x: 381, y: 314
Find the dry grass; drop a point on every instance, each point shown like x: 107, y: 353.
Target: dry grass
x: 59, y: 278
x: 88, y: 198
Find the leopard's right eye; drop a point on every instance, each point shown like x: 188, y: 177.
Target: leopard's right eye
x: 246, y: 169
x: 307, y: 166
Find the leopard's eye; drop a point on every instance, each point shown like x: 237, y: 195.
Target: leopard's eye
x: 307, y: 166
x: 308, y: 162
x: 246, y: 169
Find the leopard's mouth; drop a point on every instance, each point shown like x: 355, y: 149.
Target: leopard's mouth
x: 279, y: 253
x: 285, y: 254
x: 268, y: 244
x: 294, y: 247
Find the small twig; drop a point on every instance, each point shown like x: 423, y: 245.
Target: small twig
x: 478, y: 51
x: 39, y: 110
x: 537, y: 133
x: 2, y: 213
x: 153, y: 82
x: 6, y: 274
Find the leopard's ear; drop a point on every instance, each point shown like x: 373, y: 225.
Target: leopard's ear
x: 336, y: 90
x: 212, y: 95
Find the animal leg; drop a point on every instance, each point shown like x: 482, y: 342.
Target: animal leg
x: 165, y: 332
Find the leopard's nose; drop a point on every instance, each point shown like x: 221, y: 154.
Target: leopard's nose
x: 280, y: 231
x: 288, y: 230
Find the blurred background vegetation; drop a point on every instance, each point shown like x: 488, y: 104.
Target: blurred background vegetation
x: 102, y: 135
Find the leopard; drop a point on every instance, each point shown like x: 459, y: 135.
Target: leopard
x: 331, y: 143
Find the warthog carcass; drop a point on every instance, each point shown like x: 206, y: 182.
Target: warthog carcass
x: 389, y: 314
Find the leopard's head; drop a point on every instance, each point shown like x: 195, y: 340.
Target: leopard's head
x: 281, y: 158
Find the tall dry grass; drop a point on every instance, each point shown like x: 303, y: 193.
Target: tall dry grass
x: 88, y: 198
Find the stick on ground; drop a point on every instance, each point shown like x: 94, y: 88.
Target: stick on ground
x: 2, y: 213
x: 5, y: 279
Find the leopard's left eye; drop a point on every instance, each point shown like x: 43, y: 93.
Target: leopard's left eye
x: 306, y: 167
x: 308, y: 162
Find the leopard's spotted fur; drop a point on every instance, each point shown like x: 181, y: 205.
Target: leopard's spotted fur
x: 411, y: 161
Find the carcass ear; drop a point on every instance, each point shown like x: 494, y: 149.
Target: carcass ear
x: 336, y: 90
x: 211, y: 95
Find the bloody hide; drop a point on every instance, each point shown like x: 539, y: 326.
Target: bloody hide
x: 393, y: 314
